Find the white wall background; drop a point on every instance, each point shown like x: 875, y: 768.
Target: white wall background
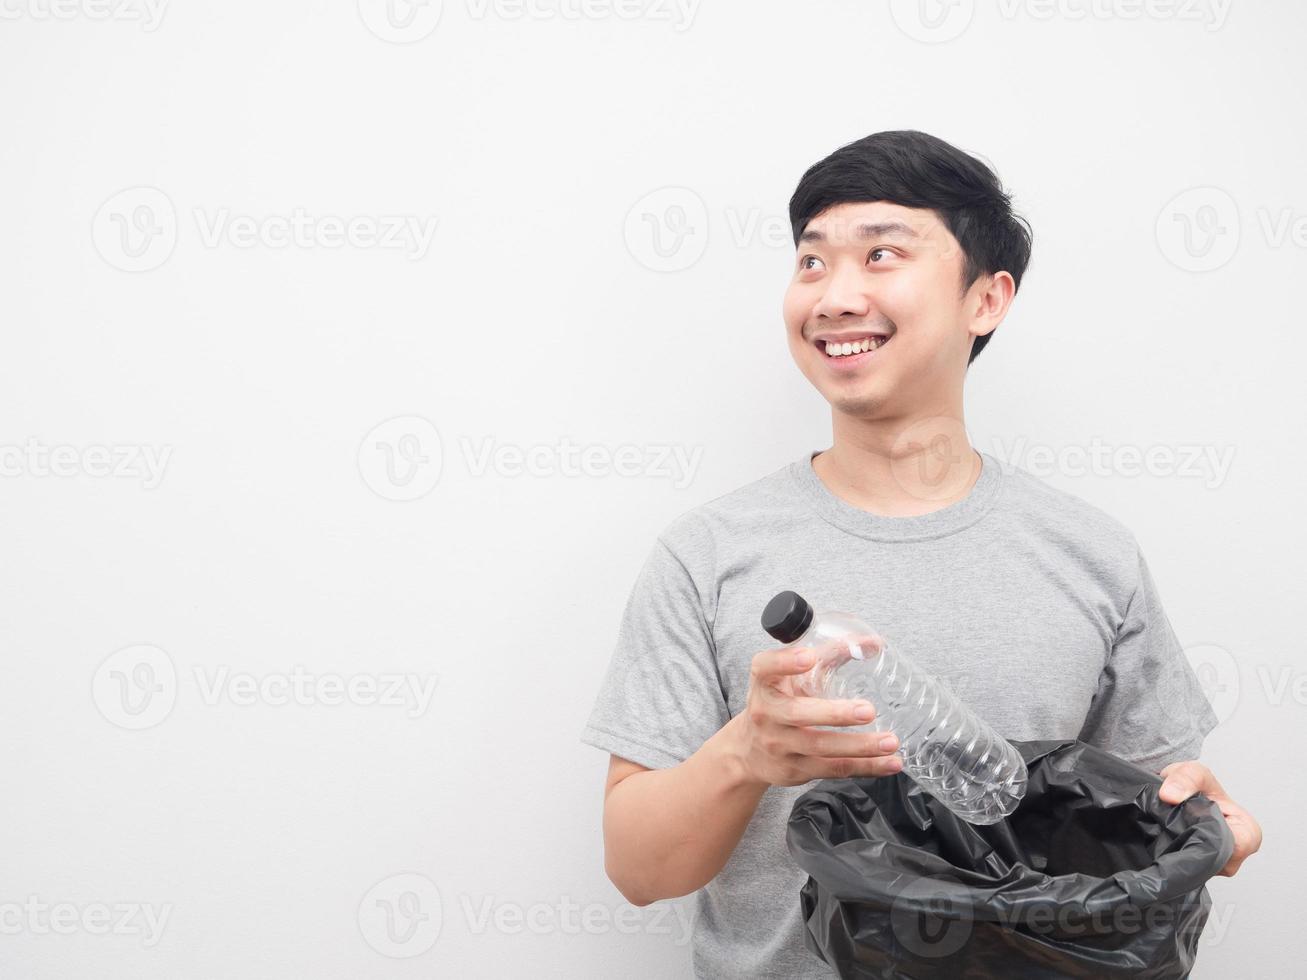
x: 152, y: 157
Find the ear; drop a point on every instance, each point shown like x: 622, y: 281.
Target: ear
x: 988, y: 302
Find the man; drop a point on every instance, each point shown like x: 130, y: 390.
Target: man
x: 1037, y: 607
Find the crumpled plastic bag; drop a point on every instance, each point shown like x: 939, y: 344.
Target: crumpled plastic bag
x: 1091, y: 876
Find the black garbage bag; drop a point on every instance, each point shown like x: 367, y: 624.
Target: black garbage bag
x: 1092, y: 876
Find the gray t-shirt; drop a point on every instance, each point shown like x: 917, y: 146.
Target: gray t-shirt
x: 1036, y: 607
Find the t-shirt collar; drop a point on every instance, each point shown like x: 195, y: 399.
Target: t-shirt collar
x: 947, y: 520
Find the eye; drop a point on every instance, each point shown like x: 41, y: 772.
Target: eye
x: 805, y: 263
x: 872, y: 254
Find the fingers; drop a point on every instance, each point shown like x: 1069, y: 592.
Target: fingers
x: 789, y: 734
x: 804, y: 711
x: 1181, y: 780
x: 774, y: 664
x: 1176, y: 790
x: 1247, y: 835
x: 849, y: 768
x: 830, y: 745
x: 786, y: 661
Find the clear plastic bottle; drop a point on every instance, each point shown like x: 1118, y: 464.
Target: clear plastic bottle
x: 946, y: 748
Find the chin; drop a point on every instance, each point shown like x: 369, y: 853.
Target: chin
x: 859, y: 405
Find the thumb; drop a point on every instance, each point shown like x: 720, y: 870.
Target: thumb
x: 1181, y: 780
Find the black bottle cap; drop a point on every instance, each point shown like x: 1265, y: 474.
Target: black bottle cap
x: 787, y: 617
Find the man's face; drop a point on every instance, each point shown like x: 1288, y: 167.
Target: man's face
x: 878, y: 273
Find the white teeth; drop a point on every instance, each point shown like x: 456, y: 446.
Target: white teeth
x: 853, y: 347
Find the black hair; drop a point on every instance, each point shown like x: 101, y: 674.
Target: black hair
x: 917, y: 170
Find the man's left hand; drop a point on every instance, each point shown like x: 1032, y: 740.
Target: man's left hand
x: 1182, y: 780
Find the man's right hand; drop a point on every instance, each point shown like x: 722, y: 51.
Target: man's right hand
x: 668, y: 832
x: 775, y: 738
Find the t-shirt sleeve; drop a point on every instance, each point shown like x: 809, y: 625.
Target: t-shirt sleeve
x: 661, y: 698
x: 1150, y: 708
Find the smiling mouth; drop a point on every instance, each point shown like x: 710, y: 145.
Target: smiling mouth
x: 852, y: 350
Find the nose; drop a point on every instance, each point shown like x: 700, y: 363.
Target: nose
x: 845, y: 293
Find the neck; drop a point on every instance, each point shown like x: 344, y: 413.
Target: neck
x: 899, y: 467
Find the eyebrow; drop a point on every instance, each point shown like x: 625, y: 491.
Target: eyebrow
x: 882, y: 229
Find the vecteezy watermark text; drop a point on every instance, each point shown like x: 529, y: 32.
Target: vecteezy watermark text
x: 137, y: 687
x: 939, y: 21
x: 679, y: 13
x: 403, y: 915
x: 35, y: 458
x: 1210, y: 464
x: 410, y: 691
x: 1211, y: 14
x: 568, y: 459
x: 486, y: 915
x: 39, y: 918
x: 148, y: 12
x: 932, y: 916
x: 1201, y: 229
x: 407, y: 21
x: 403, y: 232
x: 136, y: 230
x: 402, y: 459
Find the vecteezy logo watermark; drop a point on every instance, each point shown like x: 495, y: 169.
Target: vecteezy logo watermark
x: 37, y: 918
x: 930, y: 916
x: 401, y: 916
x: 1210, y: 464
x: 1222, y: 683
x: 148, y: 12
x: 1218, y: 677
x: 401, y: 458
x: 932, y: 21
x: 135, y: 230
x: 933, y: 917
x: 1178, y: 697
x: 667, y: 229
x: 1198, y: 229
x: 927, y: 453
x: 400, y: 21
x: 36, y: 459
x: 135, y: 687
